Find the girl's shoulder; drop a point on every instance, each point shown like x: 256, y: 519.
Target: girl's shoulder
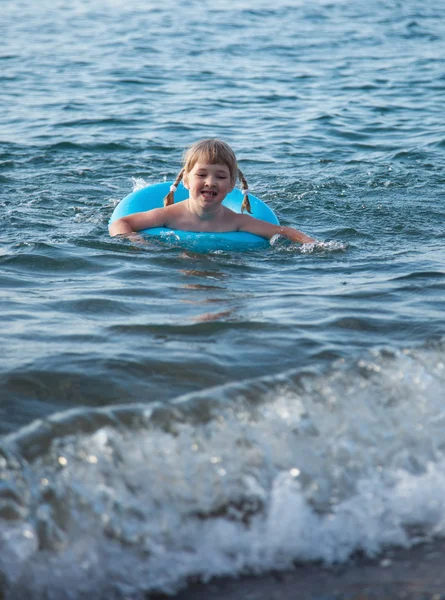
x: 176, y: 208
x: 242, y: 217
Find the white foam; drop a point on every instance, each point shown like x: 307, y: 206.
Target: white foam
x: 281, y: 243
x: 138, y: 183
x: 315, y: 468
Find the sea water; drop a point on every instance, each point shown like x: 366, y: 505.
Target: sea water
x: 168, y: 415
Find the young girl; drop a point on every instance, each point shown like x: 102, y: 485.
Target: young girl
x: 209, y: 173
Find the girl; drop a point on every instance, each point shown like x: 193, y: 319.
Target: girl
x: 209, y: 173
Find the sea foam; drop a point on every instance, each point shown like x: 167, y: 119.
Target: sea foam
x: 239, y: 479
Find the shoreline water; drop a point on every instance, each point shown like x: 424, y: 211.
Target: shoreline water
x: 415, y: 573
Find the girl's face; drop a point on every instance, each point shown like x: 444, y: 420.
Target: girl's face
x: 208, y: 184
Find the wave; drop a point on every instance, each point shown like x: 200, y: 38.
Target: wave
x: 242, y: 478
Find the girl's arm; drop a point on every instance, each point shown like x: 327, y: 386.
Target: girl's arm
x: 138, y: 221
x: 268, y: 230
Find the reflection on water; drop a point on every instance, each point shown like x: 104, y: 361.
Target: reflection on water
x: 217, y: 316
x: 198, y: 299
x: 204, y: 274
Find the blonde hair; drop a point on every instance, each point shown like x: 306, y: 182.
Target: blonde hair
x: 213, y: 152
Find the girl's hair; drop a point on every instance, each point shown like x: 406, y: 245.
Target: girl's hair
x: 212, y: 152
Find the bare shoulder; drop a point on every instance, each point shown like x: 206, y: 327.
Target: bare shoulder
x: 173, y: 211
x: 245, y: 218
x: 241, y: 219
x: 164, y: 216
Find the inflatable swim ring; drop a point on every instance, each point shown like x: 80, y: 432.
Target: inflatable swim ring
x: 153, y: 196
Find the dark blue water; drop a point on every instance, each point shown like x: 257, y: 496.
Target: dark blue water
x: 167, y: 414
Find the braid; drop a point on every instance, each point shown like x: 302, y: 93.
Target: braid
x: 246, y: 203
x: 170, y: 197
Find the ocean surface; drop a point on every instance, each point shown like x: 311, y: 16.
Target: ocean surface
x: 168, y: 416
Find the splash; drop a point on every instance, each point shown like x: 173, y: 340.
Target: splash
x: 138, y: 183
x: 239, y: 479
x: 281, y: 243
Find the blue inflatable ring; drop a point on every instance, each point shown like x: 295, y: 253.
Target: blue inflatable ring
x: 152, y: 197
